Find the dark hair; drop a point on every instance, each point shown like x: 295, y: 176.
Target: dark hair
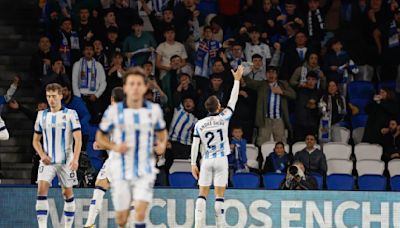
x: 235, y: 127
x: 56, y: 59
x: 54, y: 87
x: 280, y: 143
x: 44, y: 36
x: 117, y: 53
x: 66, y: 84
x: 147, y: 62
x: 311, y: 134
x: 184, y: 74
x: 84, y: 8
x: 134, y: 71
x: 207, y: 27
x: 256, y: 56
x: 87, y: 45
x: 390, y: 93
x: 211, y: 104
x: 308, y: 55
x: 312, y: 74
x: 117, y: 94
x: 173, y: 57
x: 138, y: 21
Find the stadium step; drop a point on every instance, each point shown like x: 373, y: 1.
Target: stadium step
x: 15, y: 156
x: 9, y: 165
x: 15, y: 181
x: 16, y: 141
x: 16, y: 173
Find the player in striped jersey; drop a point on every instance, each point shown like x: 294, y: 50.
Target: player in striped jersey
x: 62, y: 141
x: 103, y: 179
x: 212, y: 132
x: 137, y: 128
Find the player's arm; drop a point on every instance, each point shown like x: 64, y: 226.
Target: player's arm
x: 236, y: 86
x: 77, y: 135
x: 160, y: 130
x: 161, y: 142
x: 195, y: 153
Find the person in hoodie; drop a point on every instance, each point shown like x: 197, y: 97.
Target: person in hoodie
x: 237, y: 159
x: 299, y: 77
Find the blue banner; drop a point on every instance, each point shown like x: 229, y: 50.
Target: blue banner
x: 244, y: 208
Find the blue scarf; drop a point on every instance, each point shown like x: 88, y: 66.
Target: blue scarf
x: 65, y: 48
x: 87, y: 72
x: 206, y: 55
x: 279, y: 163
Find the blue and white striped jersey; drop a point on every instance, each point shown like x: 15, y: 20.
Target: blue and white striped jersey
x: 136, y: 127
x: 57, y: 129
x: 213, y: 130
x: 182, y: 125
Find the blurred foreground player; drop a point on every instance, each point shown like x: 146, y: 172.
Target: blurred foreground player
x: 212, y: 132
x: 137, y: 127
x: 62, y: 141
x: 103, y: 179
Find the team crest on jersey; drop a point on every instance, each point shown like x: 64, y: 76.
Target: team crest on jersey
x: 64, y: 117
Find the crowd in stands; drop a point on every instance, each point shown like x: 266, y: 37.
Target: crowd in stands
x: 300, y: 58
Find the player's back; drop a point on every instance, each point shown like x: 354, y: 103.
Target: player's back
x: 213, y: 133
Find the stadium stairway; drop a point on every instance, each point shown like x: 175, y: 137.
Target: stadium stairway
x: 19, y: 31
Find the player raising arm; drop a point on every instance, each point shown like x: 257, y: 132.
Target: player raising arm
x: 212, y: 132
x: 61, y: 131
x: 133, y: 125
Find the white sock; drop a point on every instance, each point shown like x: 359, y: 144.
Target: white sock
x: 219, y: 212
x: 42, y: 211
x: 200, y: 211
x: 95, y: 205
x: 69, y: 212
x: 131, y: 217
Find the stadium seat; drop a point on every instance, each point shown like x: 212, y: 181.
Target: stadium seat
x: 252, y: 154
x: 337, y: 150
x: 359, y: 120
x: 344, y: 135
x: 181, y: 165
x: 394, y: 167
x: 301, y: 145
x: 357, y: 135
x: 360, y: 103
x: 366, y: 73
x: 182, y: 179
x: 339, y: 166
x: 395, y: 183
x: 366, y: 151
x: 273, y: 180
x: 360, y: 89
x: 319, y: 179
x: 246, y: 180
x: 343, y: 182
x: 370, y: 167
x: 372, y: 183
x: 391, y: 84
x: 268, y: 147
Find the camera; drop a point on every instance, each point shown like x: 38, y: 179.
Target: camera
x: 294, y: 171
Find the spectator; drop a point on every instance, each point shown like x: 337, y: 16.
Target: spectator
x: 255, y: 46
x: 236, y: 56
x: 76, y: 103
x: 108, y: 21
x: 167, y: 20
x: 206, y: 55
x: 237, y: 159
x: 221, y: 66
x: 86, y: 28
x: 299, y: 77
x: 181, y: 130
x: 40, y: 65
x: 124, y: 15
x: 294, y: 56
x: 184, y: 89
x: 290, y: 14
x: 338, y: 65
x: 66, y: 42
x: 138, y: 45
x: 298, y: 179
x: 387, y: 40
x: 112, y: 44
x: 257, y: 72
x: 382, y: 109
x: 114, y: 76
x: 334, y: 109
x: 315, y: 23
x: 184, y: 12
x: 278, y: 161
x: 100, y: 56
x: 57, y: 75
x: 307, y: 113
x: 267, y: 20
x: 89, y: 82
x: 215, y: 89
x: 168, y: 49
x: 313, y: 159
x: 391, y: 141
x: 272, y: 115
x: 4, y: 135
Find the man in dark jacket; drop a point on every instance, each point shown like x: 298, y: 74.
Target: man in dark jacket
x: 297, y: 179
x: 272, y: 115
x: 307, y: 114
x: 313, y: 159
x: 391, y: 141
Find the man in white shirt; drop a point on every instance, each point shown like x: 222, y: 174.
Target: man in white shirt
x: 89, y: 82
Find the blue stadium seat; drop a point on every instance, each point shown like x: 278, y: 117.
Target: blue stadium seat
x: 359, y: 121
x: 391, y: 84
x: 182, y: 179
x: 372, y: 183
x: 395, y: 183
x: 273, y: 180
x: 360, y: 104
x: 361, y: 89
x: 319, y: 179
x: 246, y: 180
x: 340, y: 182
